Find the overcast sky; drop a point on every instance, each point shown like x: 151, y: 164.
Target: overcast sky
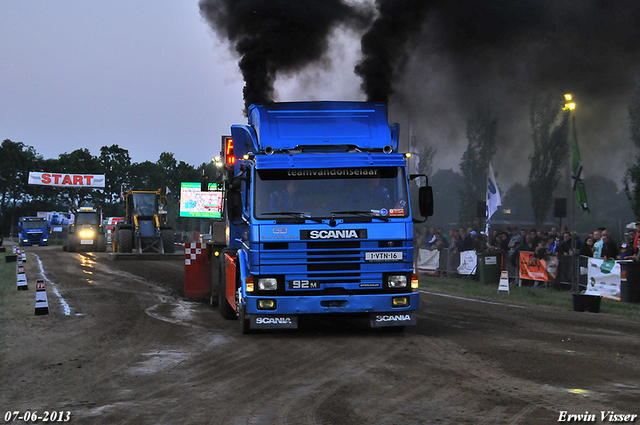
x: 147, y: 75
x: 151, y: 76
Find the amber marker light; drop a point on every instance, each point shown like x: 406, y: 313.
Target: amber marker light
x: 400, y: 301
x: 249, y: 284
x: 267, y: 304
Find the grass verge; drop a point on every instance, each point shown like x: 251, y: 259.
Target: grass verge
x: 7, y: 276
x: 520, y: 295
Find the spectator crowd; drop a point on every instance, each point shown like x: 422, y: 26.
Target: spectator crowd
x: 564, y: 243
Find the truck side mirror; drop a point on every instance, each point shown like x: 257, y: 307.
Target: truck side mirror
x: 234, y: 197
x: 234, y: 205
x: 425, y: 201
x: 425, y: 198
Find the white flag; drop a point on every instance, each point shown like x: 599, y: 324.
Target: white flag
x: 167, y: 191
x: 493, y: 196
x: 415, y: 158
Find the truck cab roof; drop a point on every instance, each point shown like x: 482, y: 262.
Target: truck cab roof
x: 321, y: 125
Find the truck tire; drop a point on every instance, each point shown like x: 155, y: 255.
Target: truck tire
x: 72, y: 242
x: 102, y: 243
x: 125, y: 241
x: 168, y: 241
x: 213, y: 297
x: 224, y: 307
x: 244, y: 322
x: 215, y: 289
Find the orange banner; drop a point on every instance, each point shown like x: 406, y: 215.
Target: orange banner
x: 532, y: 268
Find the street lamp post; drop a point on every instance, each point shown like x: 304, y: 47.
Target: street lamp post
x: 575, y: 259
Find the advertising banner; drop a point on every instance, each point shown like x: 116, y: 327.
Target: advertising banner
x: 195, y: 203
x: 532, y: 268
x: 468, y: 262
x: 66, y: 180
x: 603, y: 278
x: 428, y: 261
x: 551, y: 265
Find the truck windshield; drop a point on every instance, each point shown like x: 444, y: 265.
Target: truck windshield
x: 34, y: 224
x: 85, y: 218
x: 144, y: 204
x: 321, y: 193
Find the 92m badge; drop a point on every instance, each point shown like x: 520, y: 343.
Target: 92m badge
x: 304, y: 284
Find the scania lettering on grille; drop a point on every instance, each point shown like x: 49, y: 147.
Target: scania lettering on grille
x: 334, y: 234
x: 273, y: 320
x: 392, y: 317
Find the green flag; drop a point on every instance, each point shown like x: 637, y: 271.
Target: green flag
x: 576, y: 168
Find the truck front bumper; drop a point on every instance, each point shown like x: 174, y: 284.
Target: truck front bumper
x: 323, y: 304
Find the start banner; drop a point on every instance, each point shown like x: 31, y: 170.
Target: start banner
x: 66, y: 180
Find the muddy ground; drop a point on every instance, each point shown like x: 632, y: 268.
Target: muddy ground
x: 132, y: 350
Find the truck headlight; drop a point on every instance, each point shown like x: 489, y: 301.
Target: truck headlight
x: 267, y: 284
x: 397, y: 281
x: 86, y: 234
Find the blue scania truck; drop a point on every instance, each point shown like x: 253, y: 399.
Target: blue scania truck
x: 319, y: 217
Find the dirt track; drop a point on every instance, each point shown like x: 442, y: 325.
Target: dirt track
x: 133, y: 351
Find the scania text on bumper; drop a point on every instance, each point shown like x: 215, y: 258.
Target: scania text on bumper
x: 273, y: 321
x: 378, y: 320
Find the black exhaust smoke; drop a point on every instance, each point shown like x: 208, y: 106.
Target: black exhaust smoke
x: 478, y: 50
x: 384, y: 45
x: 274, y: 36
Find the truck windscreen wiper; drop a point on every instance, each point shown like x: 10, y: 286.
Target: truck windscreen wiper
x: 367, y: 214
x: 294, y: 214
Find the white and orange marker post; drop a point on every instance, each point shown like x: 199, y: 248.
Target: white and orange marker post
x: 21, y: 278
x: 42, y: 304
x: 503, y: 286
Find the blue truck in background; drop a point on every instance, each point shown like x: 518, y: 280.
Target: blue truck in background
x: 319, y: 217
x: 33, y: 231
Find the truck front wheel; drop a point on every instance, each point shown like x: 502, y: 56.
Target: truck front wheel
x: 72, y: 242
x: 243, y: 320
x: 125, y: 240
x: 168, y: 241
x: 102, y: 243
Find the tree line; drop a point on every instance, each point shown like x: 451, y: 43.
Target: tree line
x: 550, y: 128
x: 551, y: 149
x: 18, y: 198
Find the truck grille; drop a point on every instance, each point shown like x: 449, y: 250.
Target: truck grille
x: 334, y: 262
x: 34, y: 237
x: 338, y: 266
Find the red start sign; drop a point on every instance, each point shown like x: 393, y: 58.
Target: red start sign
x: 66, y: 180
